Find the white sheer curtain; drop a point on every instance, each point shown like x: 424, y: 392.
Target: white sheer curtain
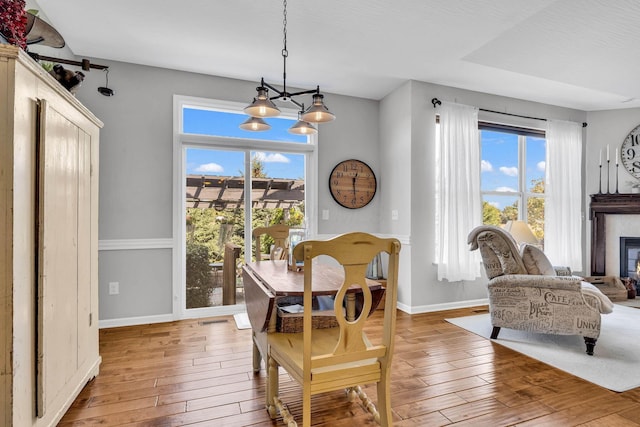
x: 563, y: 187
x: 458, y: 203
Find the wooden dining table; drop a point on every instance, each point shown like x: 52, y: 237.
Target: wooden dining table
x: 266, y: 281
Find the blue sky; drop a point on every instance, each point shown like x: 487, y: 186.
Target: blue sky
x: 231, y: 163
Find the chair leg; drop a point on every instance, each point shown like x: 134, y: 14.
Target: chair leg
x: 495, y: 332
x: 306, y: 405
x: 591, y: 343
x: 384, y: 399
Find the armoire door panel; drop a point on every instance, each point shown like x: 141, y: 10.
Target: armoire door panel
x: 59, y: 169
x: 84, y: 246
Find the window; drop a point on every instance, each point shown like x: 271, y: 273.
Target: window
x: 512, y: 175
x: 229, y: 181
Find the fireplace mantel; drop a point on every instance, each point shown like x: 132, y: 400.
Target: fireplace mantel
x: 601, y: 205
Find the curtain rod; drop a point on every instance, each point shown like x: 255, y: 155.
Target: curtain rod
x: 85, y: 64
x: 436, y: 102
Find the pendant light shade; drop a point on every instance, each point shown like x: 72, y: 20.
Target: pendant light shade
x: 318, y: 112
x: 255, y: 124
x: 262, y: 106
x: 302, y: 128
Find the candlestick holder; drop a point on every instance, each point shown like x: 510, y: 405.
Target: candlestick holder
x: 617, y: 178
x: 600, y: 180
x: 608, y: 177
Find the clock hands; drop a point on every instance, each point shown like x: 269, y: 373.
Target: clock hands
x: 354, y: 183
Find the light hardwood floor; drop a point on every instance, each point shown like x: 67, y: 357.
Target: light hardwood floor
x: 199, y: 372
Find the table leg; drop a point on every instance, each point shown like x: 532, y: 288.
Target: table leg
x: 351, y: 307
x: 257, y: 357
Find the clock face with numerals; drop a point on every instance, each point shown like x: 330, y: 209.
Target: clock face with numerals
x: 630, y: 152
x: 352, y: 184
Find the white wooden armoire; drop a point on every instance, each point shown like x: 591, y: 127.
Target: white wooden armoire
x: 49, y: 144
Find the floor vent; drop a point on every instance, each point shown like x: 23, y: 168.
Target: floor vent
x: 208, y: 322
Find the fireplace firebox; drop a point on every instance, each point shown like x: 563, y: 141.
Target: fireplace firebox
x: 630, y: 257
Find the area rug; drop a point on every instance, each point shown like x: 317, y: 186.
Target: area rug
x: 635, y: 303
x: 616, y: 361
x: 242, y: 320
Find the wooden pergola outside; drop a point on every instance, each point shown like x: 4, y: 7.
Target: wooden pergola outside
x: 223, y: 192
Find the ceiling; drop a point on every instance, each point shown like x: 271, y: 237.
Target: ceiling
x: 582, y: 54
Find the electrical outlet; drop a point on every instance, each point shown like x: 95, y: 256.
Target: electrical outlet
x: 114, y: 288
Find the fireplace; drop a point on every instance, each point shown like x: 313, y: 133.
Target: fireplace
x: 601, y: 206
x: 630, y: 257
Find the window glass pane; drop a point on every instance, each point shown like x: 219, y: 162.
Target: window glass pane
x: 499, y: 164
x: 535, y: 216
x: 278, y: 192
x: 219, y: 123
x: 536, y: 156
x: 497, y: 210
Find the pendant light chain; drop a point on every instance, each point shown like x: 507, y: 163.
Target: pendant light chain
x: 263, y: 106
x: 285, y: 52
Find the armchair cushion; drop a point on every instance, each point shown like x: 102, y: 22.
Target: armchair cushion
x: 536, y: 262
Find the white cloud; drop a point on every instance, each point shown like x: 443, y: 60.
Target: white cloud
x: 506, y: 189
x: 541, y: 166
x: 495, y: 204
x: 209, y: 168
x: 485, y: 166
x: 271, y: 158
x: 512, y: 171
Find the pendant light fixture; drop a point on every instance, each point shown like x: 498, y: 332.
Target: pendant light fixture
x: 263, y: 106
x: 255, y: 124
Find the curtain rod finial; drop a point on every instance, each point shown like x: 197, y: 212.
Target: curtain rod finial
x: 435, y: 101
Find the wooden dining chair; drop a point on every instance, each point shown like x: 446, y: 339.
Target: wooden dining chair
x: 328, y: 359
x: 279, y: 233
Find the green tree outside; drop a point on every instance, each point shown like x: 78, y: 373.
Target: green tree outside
x: 535, y: 211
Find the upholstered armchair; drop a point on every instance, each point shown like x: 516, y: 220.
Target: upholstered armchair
x: 526, y: 292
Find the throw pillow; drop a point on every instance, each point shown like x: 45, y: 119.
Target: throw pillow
x: 536, y: 262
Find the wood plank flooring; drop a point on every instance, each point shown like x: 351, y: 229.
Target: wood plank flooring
x: 199, y: 373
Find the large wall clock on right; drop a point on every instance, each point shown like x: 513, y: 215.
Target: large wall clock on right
x: 630, y: 152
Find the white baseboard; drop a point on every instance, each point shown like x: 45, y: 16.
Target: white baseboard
x: 441, y: 307
x: 131, y: 321
x: 195, y: 313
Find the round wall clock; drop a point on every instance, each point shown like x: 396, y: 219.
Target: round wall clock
x: 630, y: 152
x: 352, y: 184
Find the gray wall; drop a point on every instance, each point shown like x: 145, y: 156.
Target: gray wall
x: 136, y: 179
x: 394, y: 136
x: 408, y: 125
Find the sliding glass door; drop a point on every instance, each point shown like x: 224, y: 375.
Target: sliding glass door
x: 216, y: 214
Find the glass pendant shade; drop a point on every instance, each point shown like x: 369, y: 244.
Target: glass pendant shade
x: 255, y: 124
x: 303, y: 128
x: 262, y: 106
x: 318, y: 112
